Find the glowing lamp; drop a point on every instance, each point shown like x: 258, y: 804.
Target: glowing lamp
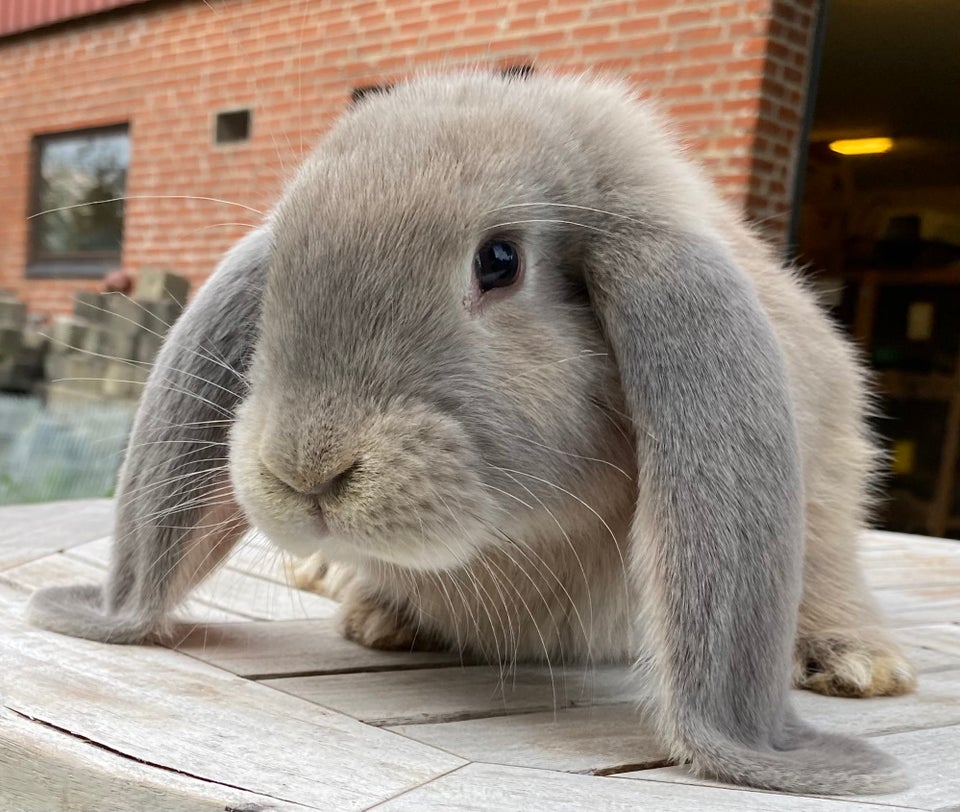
x: 862, y: 146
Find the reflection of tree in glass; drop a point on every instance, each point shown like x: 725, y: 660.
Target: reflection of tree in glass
x: 80, y: 172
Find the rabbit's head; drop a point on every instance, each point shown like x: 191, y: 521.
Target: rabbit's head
x: 431, y: 375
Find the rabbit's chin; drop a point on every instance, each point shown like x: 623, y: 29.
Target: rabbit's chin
x: 303, y: 534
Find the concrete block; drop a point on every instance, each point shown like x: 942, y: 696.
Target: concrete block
x: 68, y: 332
x: 110, y: 344
x: 55, y: 366
x: 36, y: 339
x: 22, y: 372
x: 148, y: 347
x: 123, y: 381
x: 124, y: 347
x: 157, y: 285
x: 63, y: 396
x: 11, y: 340
x: 80, y: 366
x: 161, y: 316
x: 89, y: 305
x: 77, y: 373
x: 123, y: 315
x: 13, y: 314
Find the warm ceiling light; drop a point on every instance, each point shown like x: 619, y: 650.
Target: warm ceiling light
x: 862, y: 146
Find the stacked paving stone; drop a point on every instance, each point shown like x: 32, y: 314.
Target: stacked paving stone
x: 106, y: 348
x: 22, y: 348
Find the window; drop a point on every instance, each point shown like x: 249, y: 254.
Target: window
x: 79, y: 180
x: 232, y: 126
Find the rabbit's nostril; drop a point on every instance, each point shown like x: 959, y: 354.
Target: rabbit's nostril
x: 324, y: 480
x: 335, y: 484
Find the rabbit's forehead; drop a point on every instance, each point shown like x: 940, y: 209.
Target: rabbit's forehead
x: 418, y: 206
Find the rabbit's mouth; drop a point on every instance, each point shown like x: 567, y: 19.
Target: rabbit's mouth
x: 298, y: 526
x: 403, y: 489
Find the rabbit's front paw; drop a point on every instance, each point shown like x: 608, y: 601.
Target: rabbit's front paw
x: 376, y: 626
x: 851, y: 664
x: 314, y: 574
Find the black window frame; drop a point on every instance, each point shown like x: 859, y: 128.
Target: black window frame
x: 85, y: 265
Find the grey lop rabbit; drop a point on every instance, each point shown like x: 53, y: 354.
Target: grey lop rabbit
x: 502, y: 358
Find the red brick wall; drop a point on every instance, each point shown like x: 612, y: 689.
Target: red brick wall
x: 21, y: 15
x: 730, y: 72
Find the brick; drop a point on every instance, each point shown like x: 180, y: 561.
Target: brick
x: 690, y: 17
x: 295, y: 65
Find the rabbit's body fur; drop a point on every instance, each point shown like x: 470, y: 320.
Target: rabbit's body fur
x: 632, y: 457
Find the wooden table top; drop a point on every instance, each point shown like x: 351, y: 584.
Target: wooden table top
x: 262, y: 706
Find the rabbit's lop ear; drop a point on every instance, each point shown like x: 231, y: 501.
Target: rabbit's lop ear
x: 176, y: 516
x: 718, y: 536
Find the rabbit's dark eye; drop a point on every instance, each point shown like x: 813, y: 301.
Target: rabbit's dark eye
x: 497, y: 265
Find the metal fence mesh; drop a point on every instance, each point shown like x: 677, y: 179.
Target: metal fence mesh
x: 62, y: 453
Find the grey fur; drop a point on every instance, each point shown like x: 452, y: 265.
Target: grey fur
x: 197, y: 378
x: 652, y: 450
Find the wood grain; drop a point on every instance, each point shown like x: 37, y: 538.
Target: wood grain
x: 936, y: 703
x: 440, y: 695
x: 488, y: 787
x: 929, y: 756
x: 264, y: 649
x: 42, y: 768
x: 159, y: 707
x: 34, y: 531
x: 593, y: 739
x: 235, y: 590
x: 253, y: 708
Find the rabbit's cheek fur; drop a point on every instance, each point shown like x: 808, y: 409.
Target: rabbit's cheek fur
x: 411, y: 498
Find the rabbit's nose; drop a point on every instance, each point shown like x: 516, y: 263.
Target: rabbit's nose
x: 335, y: 483
x: 327, y: 479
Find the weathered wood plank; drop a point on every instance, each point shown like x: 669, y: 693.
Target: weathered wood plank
x: 488, y: 787
x: 920, y: 605
x: 931, y: 647
x: 915, y: 572
x: 943, y: 637
x: 439, y: 695
x: 253, y: 555
x: 264, y: 649
x: 929, y: 660
x: 62, y: 569
x: 34, y: 531
x: 257, y: 555
x: 42, y: 769
x: 231, y: 590
x: 936, y: 703
x: 260, y: 599
x: 873, y: 539
x: 171, y: 711
x: 58, y: 569
x: 603, y: 738
x: 592, y: 739
x: 929, y: 756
